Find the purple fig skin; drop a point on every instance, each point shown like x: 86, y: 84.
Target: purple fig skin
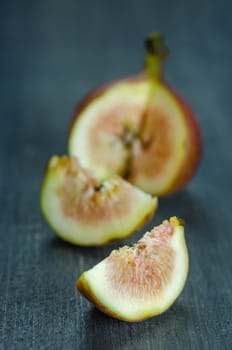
x: 193, y: 152
x: 191, y: 149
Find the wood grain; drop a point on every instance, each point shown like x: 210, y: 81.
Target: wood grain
x: 52, y: 53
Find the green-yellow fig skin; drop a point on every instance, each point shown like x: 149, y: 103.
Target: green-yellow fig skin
x: 147, y: 210
x: 86, y: 288
x: 145, y: 220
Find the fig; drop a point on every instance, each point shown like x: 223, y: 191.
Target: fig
x: 86, y: 212
x: 137, y: 282
x: 149, y: 129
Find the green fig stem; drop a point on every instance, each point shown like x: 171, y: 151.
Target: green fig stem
x: 156, y: 54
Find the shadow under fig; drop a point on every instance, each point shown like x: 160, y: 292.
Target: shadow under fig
x: 115, y: 331
x: 58, y: 244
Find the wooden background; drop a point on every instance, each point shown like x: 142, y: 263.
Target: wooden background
x: 51, y: 54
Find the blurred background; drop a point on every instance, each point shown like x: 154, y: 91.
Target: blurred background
x: 51, y: 54
x: 54, y: 52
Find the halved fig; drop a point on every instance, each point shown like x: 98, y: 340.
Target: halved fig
x: 138, y: 128
x: 138, y: 282
x: 83, y: 211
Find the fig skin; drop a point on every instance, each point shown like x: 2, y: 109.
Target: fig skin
x: 193, y: 147
x: 85, y: 212
x: 96, y: 285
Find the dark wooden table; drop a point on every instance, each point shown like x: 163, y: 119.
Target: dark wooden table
x: 51, y: 54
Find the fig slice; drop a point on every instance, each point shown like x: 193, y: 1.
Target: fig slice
x: 83, y: 211
x: 150, y: 129
x: 137, y: 282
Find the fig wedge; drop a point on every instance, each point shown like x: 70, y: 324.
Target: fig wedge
x: 138, y: 282
x: 83, y: 211
x: 151, y: 131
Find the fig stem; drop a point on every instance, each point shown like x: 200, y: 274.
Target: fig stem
x: 157, y: 51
